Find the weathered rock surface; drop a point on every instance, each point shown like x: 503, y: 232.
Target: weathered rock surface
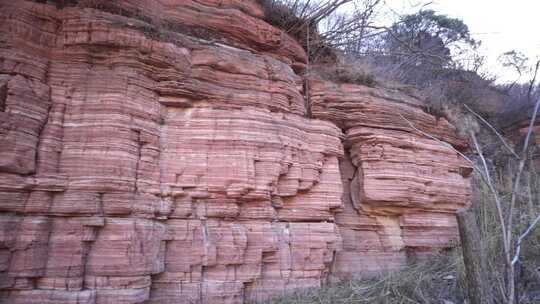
x: 401, y: 188
x: 138, y: 168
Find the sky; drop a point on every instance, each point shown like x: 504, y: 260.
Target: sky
x: 501, y: 25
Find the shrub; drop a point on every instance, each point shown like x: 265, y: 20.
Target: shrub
x: 353, y: 73
x: 279, y: 14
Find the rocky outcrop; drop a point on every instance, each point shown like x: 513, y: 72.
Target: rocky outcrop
x: 144, y: 162
x: 401, y: 188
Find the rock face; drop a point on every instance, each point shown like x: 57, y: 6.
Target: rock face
x: 175, y: 162
x: 401, y: 188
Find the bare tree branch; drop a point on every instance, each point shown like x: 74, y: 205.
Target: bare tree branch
x: 438, y: 140
x: 522, y: 237
x: 521, y: 165
x: 489, y: 183
x: 533, y: 80
x: 501, y: 138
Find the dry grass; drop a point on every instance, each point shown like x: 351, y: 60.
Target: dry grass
x: 528, y: 206
x: 279, y: 14
x: 432, y: 281
x: 349, y: 72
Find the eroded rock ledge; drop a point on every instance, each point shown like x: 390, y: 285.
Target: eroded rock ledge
x: 142, y: 170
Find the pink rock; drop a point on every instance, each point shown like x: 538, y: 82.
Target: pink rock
x: 138, y: 168
x: 401, y: 188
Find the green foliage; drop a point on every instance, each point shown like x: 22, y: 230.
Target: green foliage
x: 422, y: 45
x: 450, y: 29
x: 414, y: 28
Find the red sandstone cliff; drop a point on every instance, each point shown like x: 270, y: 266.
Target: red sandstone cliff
x: 139, y: 165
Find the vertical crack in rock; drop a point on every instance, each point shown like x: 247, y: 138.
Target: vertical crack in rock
x: 307, y: 97
x: 139, y: 145
x: 354, y: 182
x: 3, y: 92
x: 40, y: 131
x: 92, y: 227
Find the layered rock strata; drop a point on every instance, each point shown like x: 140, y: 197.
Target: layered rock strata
x: 401, y: 187
x: 150, y: 162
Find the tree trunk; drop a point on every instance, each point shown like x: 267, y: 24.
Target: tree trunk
x: 474, y: 259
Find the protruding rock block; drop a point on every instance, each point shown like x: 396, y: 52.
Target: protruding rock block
x: 24, y: 105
